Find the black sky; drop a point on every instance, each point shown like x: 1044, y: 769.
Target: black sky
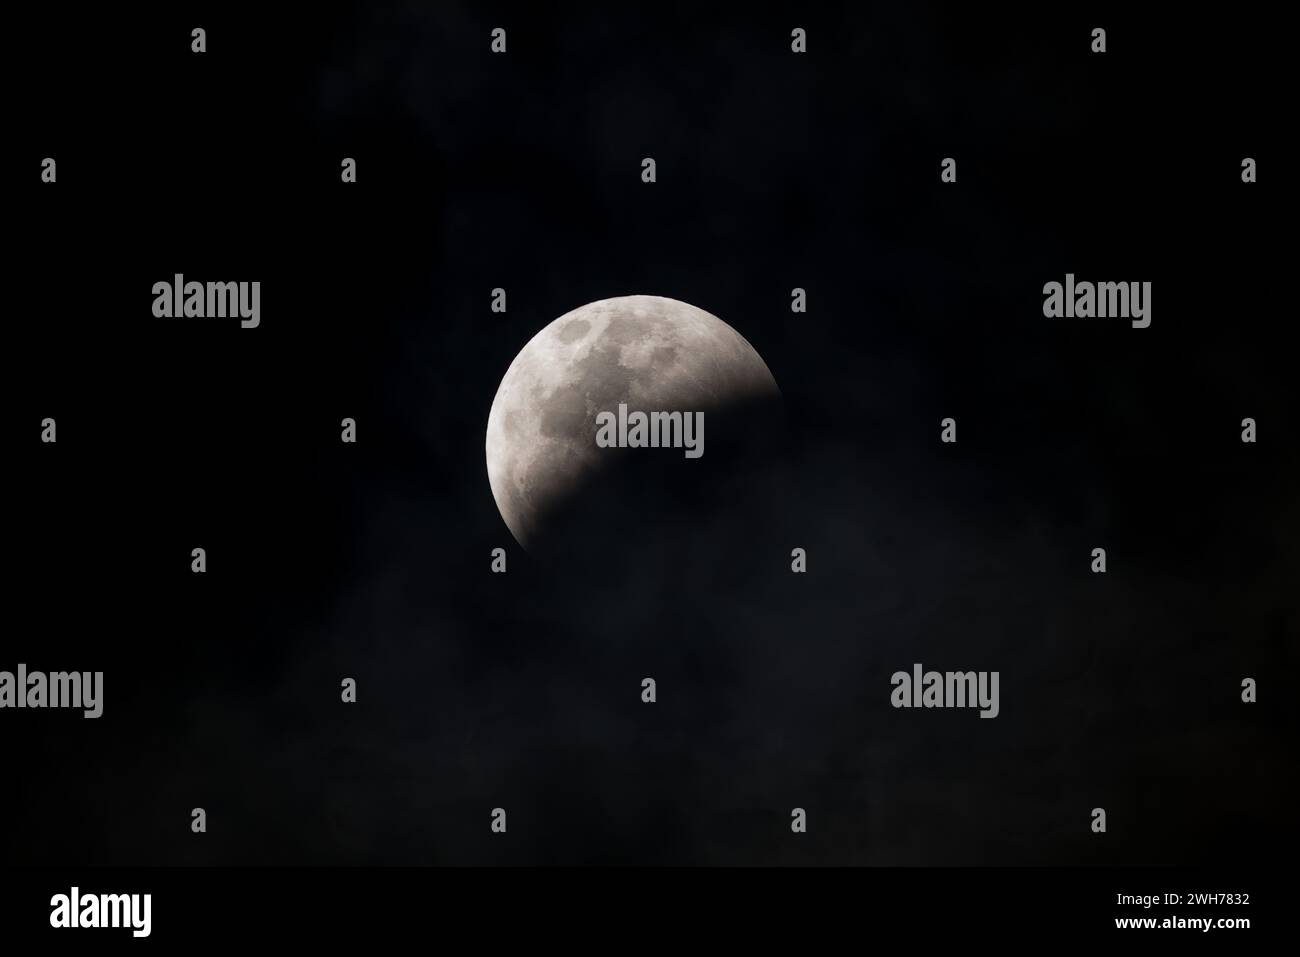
x: 774, y: 171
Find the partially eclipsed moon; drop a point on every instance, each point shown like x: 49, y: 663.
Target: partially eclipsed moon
x: 652, y: 353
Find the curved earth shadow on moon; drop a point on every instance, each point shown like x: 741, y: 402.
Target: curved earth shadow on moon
x: 642, y: 506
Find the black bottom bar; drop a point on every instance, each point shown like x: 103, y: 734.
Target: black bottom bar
x: 545, y: 907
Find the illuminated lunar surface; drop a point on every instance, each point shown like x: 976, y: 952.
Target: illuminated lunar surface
x: 652, y: 353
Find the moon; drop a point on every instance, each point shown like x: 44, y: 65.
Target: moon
x: 652, y: 353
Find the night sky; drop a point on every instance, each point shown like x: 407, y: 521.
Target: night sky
x: 522, y: 690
